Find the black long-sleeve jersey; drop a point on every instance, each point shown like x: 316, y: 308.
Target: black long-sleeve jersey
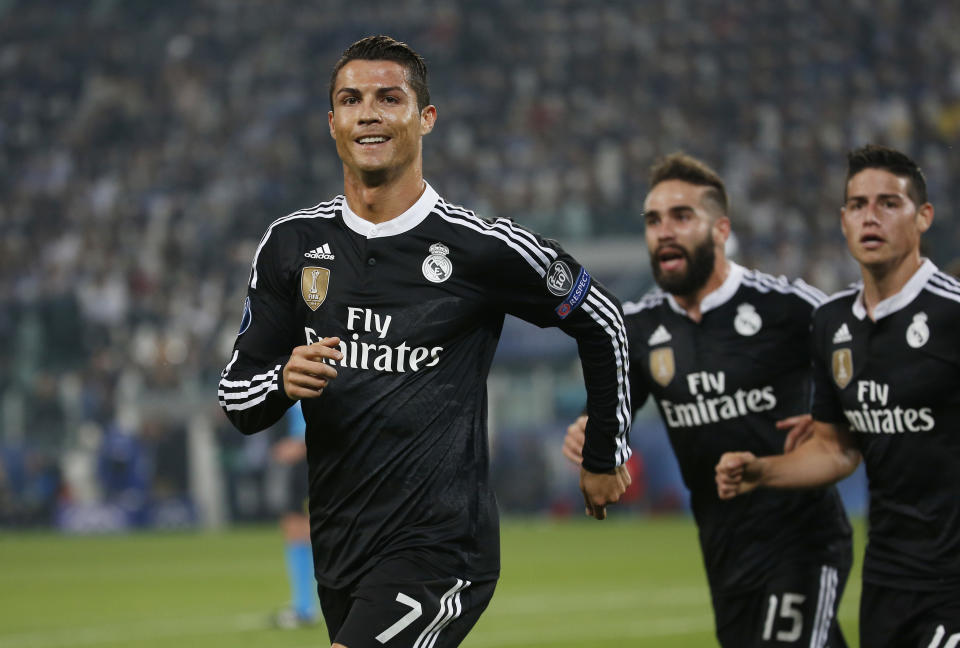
x: 397, y: 443
x: 895, y: 382
x: 720, y: 385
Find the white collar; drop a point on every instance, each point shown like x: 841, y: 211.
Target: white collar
x: 900, y: 300
x: 718, y: 297
x: 397, y: 225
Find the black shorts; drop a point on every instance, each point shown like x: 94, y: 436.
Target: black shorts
x: 404, y: 602
x: 907, y: 618
x: 797, y: 606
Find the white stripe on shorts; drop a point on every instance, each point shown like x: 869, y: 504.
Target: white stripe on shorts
x: 450, y: 609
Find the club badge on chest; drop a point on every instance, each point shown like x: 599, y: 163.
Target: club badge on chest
x: 437, y: 267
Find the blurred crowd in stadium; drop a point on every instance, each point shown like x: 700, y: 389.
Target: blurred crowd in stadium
x: 144, y: 148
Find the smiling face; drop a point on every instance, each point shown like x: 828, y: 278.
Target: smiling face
x: 684, y: 237
x: 375, y: 121
x: 880, y: 221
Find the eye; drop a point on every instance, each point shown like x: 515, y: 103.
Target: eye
x: 349, y: 101
x: 391, y: 99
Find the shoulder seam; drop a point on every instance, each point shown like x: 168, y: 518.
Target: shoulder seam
x: 516, y: 237
x: 853, y: 290
x: 650, y: 300
x: 326, y: 209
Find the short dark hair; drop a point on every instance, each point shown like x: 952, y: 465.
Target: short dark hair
x: 384, y: 48
x: 872, y: 156
x: 680, y: 166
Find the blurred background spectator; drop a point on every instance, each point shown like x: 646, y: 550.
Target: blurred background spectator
x: 145, y: 147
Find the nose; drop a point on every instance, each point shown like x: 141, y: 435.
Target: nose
x: 870, y: 213
x: 368, y: 113
x: 664, y: 231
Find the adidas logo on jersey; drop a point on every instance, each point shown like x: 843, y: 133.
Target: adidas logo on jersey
x: 842, y: 335
x: 322, y: 252
x: 659, y: 336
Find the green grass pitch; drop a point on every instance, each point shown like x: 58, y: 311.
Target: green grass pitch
x: 628, y: 581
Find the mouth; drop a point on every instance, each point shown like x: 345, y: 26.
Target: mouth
x: 371, y: 140
x: 671, y: 258
x: 871, y: 241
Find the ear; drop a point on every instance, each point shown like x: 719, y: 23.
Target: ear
x: 330, y: 124
x: 721, y: 230
x: 843, y: 221
x: 428, y: 117
x: 924, y: 217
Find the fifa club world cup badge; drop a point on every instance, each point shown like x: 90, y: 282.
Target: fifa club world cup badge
x: 662, y: 365
x: 313, y: 286
x: 918, y: 332
x: 842, y: 367
x: 437, y: 267
x: 748, y: 320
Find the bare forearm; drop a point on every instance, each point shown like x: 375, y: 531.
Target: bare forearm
x: 818, y: 462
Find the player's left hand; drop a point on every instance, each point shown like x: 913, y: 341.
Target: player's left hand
x: 800, y: 430
x: 573, y: 442
x: 600, y: 489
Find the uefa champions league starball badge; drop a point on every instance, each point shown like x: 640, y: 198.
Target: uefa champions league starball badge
x: 437, y: 267
x: 918, y: 332
x: 748, y: 320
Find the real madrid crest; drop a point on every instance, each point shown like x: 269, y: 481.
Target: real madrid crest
x: 313, y: 285
x: 662, y: 365
x: 842, y: 367
x: 918, y: 332
x: 747, y: 322
x: 437, y: 267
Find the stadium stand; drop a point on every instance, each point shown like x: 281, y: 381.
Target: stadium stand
x: 144, y: 147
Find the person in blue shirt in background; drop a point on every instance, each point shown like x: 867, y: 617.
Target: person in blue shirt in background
x: 291, y: 451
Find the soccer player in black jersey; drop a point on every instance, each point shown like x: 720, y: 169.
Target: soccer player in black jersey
x: 887, y: 391
x: 380, y: 311
x: 723, y: 352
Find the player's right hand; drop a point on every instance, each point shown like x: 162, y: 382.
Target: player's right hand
x: 601, y: 489
x: 573, y: 442
x: 737, y: 473
x: 306, y: 375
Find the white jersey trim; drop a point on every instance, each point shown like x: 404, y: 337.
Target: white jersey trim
x: 900, y: 300
x: 764, y: 283
x: 602, y: 311
x: 248, y: 392
x: 397, y: 225
x: 537, y: 256
x: 323, y: 210
x: 945, y: 286
x: 718, y: 297
x: 650, y: 300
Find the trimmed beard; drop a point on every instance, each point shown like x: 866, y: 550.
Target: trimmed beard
x: 700, y: 263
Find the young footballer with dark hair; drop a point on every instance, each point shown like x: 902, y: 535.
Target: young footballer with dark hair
x: 380, y: 311
x: 886, y: 391
x: 723, y: 352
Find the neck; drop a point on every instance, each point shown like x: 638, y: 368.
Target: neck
x: 691, y: 303
x: 884, y: 281
x: 378, y: 197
